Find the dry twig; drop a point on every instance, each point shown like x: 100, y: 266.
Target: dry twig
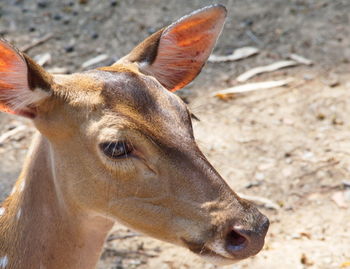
x: 263, y: 69
x: 95, y: 60
x: 260, y: 201
x: 37, y: 42
x: 12, y: 132
x: 251, y: 87
x: 300, y: 59
x: 121, y: 237
x: 43, y: 59
x: 238, y: 54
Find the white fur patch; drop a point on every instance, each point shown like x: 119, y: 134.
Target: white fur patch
x: 21, y: 98
x: 13, y: 81
x: 15, y: 93
x: 3, y: 262
x: 22, y: 185
x: 14, y: 189
x: 19, y: 213
x: 219, y: 261
x: 218, y: 247
x: 2, y: 211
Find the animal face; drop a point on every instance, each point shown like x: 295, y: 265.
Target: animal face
x: 123, y: 144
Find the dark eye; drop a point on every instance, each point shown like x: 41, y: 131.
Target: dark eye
x: 116, y: 150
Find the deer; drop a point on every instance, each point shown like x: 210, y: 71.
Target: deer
x: 115, y: 144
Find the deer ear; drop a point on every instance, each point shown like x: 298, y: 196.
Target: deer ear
x: 176, y: 54
x: 23, y: 83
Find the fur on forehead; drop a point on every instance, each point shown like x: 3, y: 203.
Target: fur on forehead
x: 124, y: 85
x: 118, y: 86
x: 79, y: 89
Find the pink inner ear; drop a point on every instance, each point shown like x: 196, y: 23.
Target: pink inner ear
x: 13, y: 79
x: 185, y: 46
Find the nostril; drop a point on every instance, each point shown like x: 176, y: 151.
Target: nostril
x: 235, y: 241
x: 265, y: 225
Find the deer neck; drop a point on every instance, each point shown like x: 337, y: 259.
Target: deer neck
x: 38, y: 226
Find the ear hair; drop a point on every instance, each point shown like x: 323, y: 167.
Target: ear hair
x: 176, y: 54
x: 146, y: 51
x: 23, y: 83
x: 22, y: 99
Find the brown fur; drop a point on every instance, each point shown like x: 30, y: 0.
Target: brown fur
x: 37, y: 77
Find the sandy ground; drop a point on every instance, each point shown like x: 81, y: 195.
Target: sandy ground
x: 290, y: 145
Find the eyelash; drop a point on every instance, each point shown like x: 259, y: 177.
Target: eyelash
x: 116, y: 150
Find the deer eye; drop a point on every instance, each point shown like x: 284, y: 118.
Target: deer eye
x: 116, y: 150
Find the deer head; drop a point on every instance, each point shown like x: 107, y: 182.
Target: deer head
x: 121, y: 143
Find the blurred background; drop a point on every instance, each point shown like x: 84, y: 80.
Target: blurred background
x: 286, y: 147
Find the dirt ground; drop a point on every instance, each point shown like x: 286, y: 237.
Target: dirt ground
x: 290, y: 145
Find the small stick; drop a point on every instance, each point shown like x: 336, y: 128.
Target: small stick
x: 300, y: 59
x: 238, y: 54
x: 121, y: 237
x: 260, y: 201
x: 252, y: 87
x: 263, y: 69
x: 254, y: 38
x: 346, y: 183
x: 95, y: 60
x: 12, y: 132
x: 37, y: 42
x: 43, y: 59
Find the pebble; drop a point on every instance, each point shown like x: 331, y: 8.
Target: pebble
x: 346, y: 183
x: 42, y: 4
x: 247, y: 23
x: 253, y: 184
x: 69, y: 48
x: 57, y: 17
x: 309, y: 76
x: 114, y: 3
x: 259, y: 176
x: 295, y: 236
x: 94, y: 35
x: 66, y: 21
x: 308, y: 155
x: 151, y: 30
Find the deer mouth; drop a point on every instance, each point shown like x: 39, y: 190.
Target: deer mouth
x: 208, y: 253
